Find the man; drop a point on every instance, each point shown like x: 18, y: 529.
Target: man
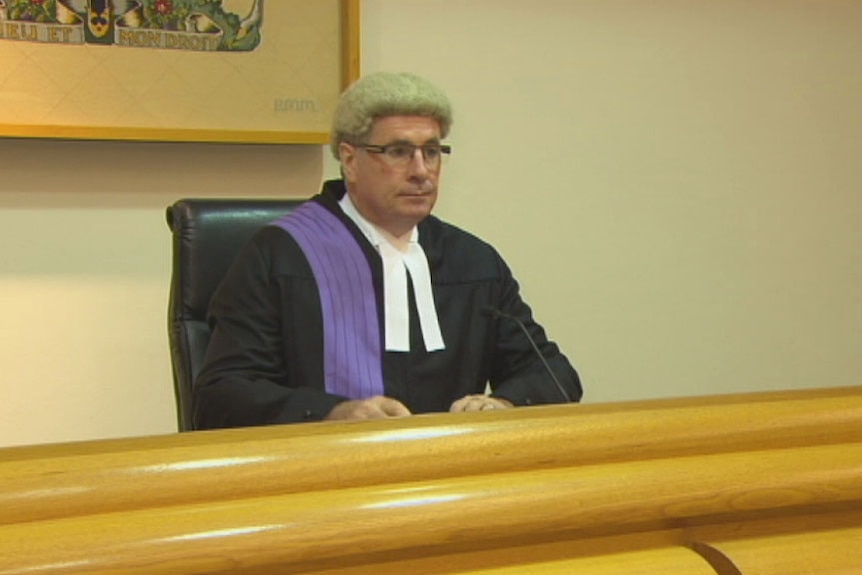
x: 360, y: 304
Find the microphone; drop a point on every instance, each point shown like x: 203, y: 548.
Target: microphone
x: 494, y: 312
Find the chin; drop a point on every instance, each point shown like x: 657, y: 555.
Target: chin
x: 415, y: 214
x: 423, y: 210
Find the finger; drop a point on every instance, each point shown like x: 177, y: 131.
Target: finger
x: 461, y: 404
x: 475, y: 404
x: 368, y: 410
x: 393, y: 407
x: 355, y: 409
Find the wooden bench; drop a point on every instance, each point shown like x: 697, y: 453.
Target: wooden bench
x: 747, y: 483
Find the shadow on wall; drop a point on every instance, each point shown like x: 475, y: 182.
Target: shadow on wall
x: 80, y: 174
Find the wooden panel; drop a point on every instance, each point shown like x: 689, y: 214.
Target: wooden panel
x: 145, y: 472
x: 675, y: 561
x: 545, y: 490
x: 506, y: 508
x: 836, y: 552
x: 659, y: 551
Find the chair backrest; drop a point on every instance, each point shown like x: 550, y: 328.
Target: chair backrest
x: 207, y: 235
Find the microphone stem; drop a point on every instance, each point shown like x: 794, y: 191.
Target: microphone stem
x: 560, y: 387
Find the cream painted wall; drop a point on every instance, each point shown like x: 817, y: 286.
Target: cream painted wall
x: 675, y: 184
x: 84, y: 273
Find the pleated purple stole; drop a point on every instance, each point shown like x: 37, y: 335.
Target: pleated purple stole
x: 352, y: 350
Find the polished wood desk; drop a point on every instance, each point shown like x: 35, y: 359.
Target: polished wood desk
x: 748, y: 483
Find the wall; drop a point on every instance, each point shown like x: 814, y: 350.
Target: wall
x: 84, y: 272
x: 674, y: 183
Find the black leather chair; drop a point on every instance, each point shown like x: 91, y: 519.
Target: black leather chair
x: 207, y: 234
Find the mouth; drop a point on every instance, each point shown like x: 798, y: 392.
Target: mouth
x: 417, y: 193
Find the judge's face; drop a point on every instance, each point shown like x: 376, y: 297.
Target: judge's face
x: 393, y: 193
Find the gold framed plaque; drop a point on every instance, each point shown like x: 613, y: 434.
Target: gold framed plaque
x: 252, y: 71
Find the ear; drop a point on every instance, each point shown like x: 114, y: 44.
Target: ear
x: 348, y: 156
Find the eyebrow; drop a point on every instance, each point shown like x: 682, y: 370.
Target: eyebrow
x: 402, y: 142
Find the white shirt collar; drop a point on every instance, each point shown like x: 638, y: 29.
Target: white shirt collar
x: 374, y: 234
x: 396, y: 266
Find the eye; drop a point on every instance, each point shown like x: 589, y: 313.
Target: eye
x: 431, y: 152
x: 400, y: 151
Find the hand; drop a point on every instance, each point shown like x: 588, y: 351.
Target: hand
x: 480, y: 403
x: 376, y: 407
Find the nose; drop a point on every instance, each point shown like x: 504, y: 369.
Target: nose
x: 418, y: 167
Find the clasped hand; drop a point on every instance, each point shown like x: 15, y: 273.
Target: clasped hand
x: 380, y: 406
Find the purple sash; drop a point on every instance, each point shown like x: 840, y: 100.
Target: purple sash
x: 352, y: 352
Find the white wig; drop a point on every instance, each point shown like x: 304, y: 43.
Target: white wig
x: 385, y: 94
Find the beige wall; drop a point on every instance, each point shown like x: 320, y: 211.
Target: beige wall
x: 675, y: 183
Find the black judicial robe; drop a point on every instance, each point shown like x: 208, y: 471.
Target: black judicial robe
x: 265, y: 360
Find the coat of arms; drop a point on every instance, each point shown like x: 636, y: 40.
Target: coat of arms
x: 201, y: 25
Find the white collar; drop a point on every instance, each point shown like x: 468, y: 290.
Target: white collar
x: 396, y: 266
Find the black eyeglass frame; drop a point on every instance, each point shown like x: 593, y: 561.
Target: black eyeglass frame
x: 444, y: 149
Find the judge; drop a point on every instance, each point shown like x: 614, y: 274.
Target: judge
x: 361, y: 304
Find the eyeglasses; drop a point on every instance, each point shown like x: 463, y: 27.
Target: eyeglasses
x: 400, y: 154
